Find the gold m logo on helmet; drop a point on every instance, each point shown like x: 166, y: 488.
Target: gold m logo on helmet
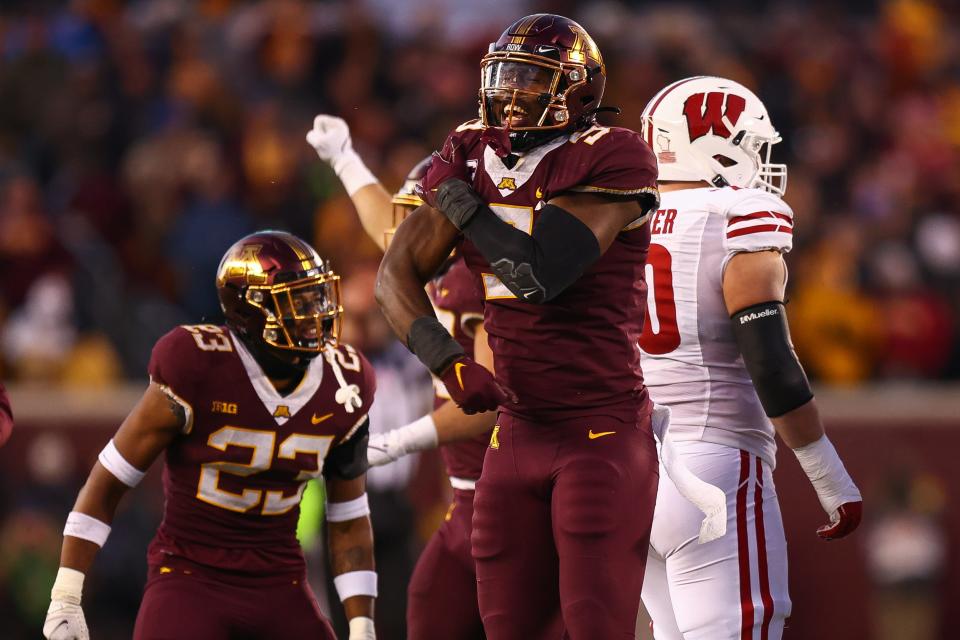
x: 583, y: 46
x: 246, y: 265
x: 507, y: 183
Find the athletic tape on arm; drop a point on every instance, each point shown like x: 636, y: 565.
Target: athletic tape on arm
x: 115, y: 463
x: 349, y: 510
x: 356, y: 583
x: 80, y: 525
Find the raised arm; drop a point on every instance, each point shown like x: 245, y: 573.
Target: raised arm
x: 146, y: 432
x: 330, y: 138
x: 753, y: 290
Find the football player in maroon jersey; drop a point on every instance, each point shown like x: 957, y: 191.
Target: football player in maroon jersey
x: 549, y: 209
x: 442, y: 596
x: 246, y: 414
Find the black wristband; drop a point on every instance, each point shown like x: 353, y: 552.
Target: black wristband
x: 763, y: 336
x: 458, y: 201
x: 430, y: 342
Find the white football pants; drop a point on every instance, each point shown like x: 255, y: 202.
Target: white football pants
x: 732, y: 588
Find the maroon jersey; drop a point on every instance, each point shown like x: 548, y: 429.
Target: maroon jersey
x: 576, y: 354
x: 234, y: 477
x: 458, y: 301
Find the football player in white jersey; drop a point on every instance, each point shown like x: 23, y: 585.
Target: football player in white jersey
x: 716, y: 349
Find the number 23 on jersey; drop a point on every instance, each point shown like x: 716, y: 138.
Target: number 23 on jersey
x: 261, y: 444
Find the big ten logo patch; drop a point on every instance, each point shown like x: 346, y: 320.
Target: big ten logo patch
x: 229, y: 408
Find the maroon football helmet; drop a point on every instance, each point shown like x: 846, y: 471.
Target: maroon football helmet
x: 406, y: 200
x: 544, y: 75
x: 275, y: 290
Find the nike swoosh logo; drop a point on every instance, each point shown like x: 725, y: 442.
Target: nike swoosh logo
x: 539, y: 193
x: 315, y: 420
x: 594, y: 436
x: 456, y: 369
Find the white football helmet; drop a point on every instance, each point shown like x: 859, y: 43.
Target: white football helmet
x: 716, y: 130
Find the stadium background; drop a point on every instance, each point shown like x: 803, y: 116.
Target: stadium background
x: 139, y: 139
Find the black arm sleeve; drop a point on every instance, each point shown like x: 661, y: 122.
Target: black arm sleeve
x: 348, y: 460
x: 537, y: 267
x: 764, y: 340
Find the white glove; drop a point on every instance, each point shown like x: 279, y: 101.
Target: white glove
x: 361, y: 628
x: 839, y: 496
x: 65, y: 619
x: 330, y: 138
x: 384, y: 448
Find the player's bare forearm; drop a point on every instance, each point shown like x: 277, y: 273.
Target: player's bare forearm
x: 99, y: 498
x: 453, y: 425
x: 800, y: 427
x: 144, y: 434
x: 421, y: 244
x: 350, y: 545
x: 375, y: 210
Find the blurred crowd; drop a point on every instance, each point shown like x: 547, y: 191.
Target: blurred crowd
x: 139, y: 139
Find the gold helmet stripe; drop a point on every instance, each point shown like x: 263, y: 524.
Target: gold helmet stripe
x: 522, y: 30
x: 304, y: 253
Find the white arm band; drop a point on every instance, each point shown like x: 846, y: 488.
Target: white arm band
x: 827, y: 474
x: 361, y: 628
x: 352, y: 172
x: 356, y: 583
x: 349, y: 510
x: 116, y: 464
x: 80, y: 525
x: 68, y: 587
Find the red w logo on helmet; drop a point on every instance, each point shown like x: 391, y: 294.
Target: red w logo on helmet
x: 712, y: 115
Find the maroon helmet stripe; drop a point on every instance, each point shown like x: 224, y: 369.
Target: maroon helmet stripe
x: 656, y: 104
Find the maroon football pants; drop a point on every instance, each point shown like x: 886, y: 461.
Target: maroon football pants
x: 562, y: 518
x: 442, y: 598
x: 182, y: 601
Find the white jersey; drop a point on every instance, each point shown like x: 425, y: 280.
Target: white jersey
x: 690, y: 358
